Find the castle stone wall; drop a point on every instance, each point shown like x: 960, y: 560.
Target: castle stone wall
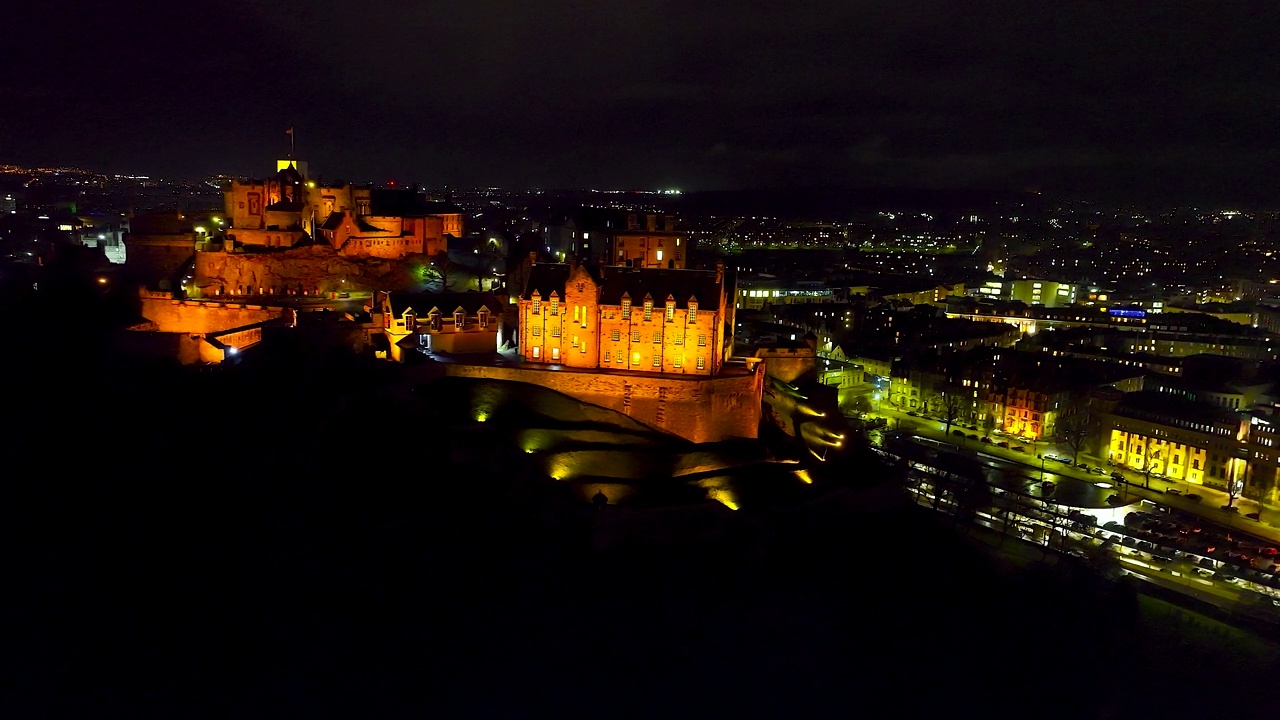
x: 199, y: 318
x: 705, y: 409
x: 310, y: 269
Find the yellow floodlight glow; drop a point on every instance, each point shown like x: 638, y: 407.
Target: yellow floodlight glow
x: 724, y: 497
x: 805, y: 477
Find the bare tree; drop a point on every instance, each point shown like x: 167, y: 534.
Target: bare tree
x: 1076, y: 425
x: 1148, y: 465
x: 442, y: 272
x: 951, y: 405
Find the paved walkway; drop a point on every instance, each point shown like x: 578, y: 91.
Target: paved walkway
x: 1208, y: 507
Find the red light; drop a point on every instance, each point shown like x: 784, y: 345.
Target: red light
x: 392, y: 183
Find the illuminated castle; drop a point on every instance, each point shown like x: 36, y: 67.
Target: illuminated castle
x: 287, y: 208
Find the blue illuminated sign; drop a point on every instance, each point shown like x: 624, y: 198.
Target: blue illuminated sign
x: 1128, y: 313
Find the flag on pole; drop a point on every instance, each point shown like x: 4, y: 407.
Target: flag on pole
x: 289, y: 131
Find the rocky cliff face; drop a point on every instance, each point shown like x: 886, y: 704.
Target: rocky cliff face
x: 314, y: 269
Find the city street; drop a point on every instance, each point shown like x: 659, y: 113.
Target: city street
x: 1027, y: 462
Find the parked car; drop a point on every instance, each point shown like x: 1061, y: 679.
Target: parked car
x: 1096, y: 471
x: 1117, y: 477
x: 913, y: 413
x: 1192, y: 497
x: 1019, y: 448
x: 986, y: 440
x: 1231, y: 509
x: 1201, y: 572
x: 1002, y: 444
x: 1253, y: 516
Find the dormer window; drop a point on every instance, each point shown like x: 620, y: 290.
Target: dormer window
x: 648, y: 310
x: 693, y: 312
x: 435, y: 320
x: 483, y: 315
x: 555, y: 305
x: 409, y: 321
x: 671, y: 310
x: 626, y: 308
x: 459, y: 319
x: 537, y: 305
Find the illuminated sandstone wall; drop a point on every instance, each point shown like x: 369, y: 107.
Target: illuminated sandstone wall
x: 701, y: 410
x: 196, y: 318
x: 314, y: 268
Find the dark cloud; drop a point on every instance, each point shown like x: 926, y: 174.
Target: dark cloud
x: 1173, y: 97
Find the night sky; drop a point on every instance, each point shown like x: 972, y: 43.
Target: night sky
x: 1162, y: 99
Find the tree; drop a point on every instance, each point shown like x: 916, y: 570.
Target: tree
x: 952, y: 402
x: 1148, y: 465
x: 1077, y: 424
x: 860, y: 405
x: 442, y: 272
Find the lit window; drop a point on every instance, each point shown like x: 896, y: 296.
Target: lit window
x: 671, y: 311
x: 702, y: 341
x: 679, y: 340
x: 635, y: 336
x: 659, y: 256
x: 537, y: 331
x: 555, y: 305
x: 693, y: 313
x: 657, y: 337
x: 657, y: 360
x: 576, y: 311
x: 679, y: 361
x: 555, y: 353
x: 616, y: 336
x: 635, y: 358
x: 618, y: 359
x: 537, y: 352
x: 459, y: 319
x: 626, y: 309
x: 484, y: 319
x: 702, y: 363
x: 555, y: 331
x: 606, y: 356
x: 648, y: 310
x: 537, y: 306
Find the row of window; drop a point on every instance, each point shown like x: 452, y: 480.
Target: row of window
x: 677, y: 361
x: 626, y: 310
x: 616, y: 336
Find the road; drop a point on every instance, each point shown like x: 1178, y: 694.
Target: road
x: 1179, y: 575
x: 1208, y: 508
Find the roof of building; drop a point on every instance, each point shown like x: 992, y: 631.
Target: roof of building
x: 1167, y: 407
x: 681, y: 286
x: 446, y: 303
x: 545, y: 279
x: 334, y: 221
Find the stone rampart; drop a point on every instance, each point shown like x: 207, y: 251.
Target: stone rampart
x: 697, y: 408
x: 199, y: 318
x: 311, y: 269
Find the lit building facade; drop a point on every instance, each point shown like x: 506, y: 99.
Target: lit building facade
x: 455, y: 323
x: 1178, y: 439
x: 620, y: 318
